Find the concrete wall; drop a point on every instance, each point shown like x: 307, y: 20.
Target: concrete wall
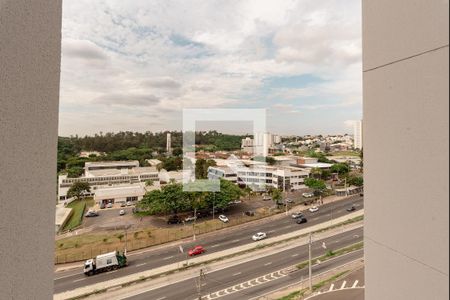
x: 406, y: 103
x: 29, y: 88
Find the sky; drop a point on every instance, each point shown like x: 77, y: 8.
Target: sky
x: 135, y: 65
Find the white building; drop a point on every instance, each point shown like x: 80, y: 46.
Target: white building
x: 169, y: 143
x: 108, y: 174
x: 358, y: 135
x: 260, y: 144
x: 224, y: 172
x: 120, y: 194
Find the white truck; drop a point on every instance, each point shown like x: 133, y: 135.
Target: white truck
x: 105, y: 263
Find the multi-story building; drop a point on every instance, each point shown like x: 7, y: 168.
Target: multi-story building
x: 224, y: 172
x: 283, y: 178
x: 108, y: 174
x: 358, y: 135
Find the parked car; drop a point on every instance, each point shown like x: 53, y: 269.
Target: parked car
x: 190, y: 219
x: 249, y: 213
x: 174, y: 220
x: 123, y: 204
x: 237, y: 202
x: 302, y: 220
x: 224, y: 219
x: 91, y: 213
x: 259, y: 236
x: 102, y: 206
x: 351, y: 209
x: 290, y: 201
x: 308, y: 195
x: 110, y: 205
x: 314, y: 209
x: 196, y: 251
x: 267, y: 198
x: 121, y: 212
x: 129, y: 203
x: 297, y: 216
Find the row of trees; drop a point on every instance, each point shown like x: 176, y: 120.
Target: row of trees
x: 172, y: 199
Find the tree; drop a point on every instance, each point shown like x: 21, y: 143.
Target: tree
x: 340, y: 168
x: 355, y: 180
x: 317, y: 185
x: 149, y: 183
x: 177, y: 152
x: 248, y: 192
x: 277, y: 196
x: 79, y: 189
x: 75, y: 172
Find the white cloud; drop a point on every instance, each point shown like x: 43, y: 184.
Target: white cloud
x: 163, y: 55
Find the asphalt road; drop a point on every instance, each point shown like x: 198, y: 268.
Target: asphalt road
x: 246, y: 281
x: 72, y: 279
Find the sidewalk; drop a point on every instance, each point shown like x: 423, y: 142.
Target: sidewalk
x: 119, y: 282
x: 176, y: 243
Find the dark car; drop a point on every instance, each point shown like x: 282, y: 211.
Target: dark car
x: 352, y: 208
x: 302, y: 221
x: 174, y: 220
x: 297, y: 216
x: 102, y: 206
x: 249, y: 213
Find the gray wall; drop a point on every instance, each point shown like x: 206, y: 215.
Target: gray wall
x: 29, y: 90
x: 406, y: 148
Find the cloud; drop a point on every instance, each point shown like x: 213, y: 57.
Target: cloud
x: 82, y: 49
x: 127, y: 100
x: 162, y: 56
x: 161, y: 83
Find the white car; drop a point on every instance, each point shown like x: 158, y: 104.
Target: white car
x: 122, y: 212
x: 190, y: 219
x: 224, y: 219
x: 129, y: 203
x: 259, y: 236
x: 308, y: 195
x: 314, y: 209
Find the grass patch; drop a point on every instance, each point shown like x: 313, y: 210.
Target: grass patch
x: 78, y: 209
x: 317, y: 286
x: 331, y: 254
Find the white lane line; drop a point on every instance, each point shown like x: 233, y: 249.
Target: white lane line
x: 215, y: 246
x: 237, y: 274
x: 236, y: 241
x: 355, y: 284
x: 268, y: 264
x: 295, y: 255
x: 78, y: 280
x: 162, y: 298
x: 272, y: 231
x: 332, y: 287
x: 343, y: 285
x: 167, y: 258
x: 140, y: 265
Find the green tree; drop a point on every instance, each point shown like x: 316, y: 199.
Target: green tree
x: 78, y: 190
x: 277, y: 196
x: 355, y: 180
x: 340, y: 168
x: 75, y: 172
x: 317, y: 185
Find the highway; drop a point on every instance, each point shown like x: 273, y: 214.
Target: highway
x: 256, y: 277
x: 234, y: 237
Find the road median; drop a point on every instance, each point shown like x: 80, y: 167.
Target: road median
x: 228, y: 257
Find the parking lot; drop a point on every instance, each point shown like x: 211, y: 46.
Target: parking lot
x: 109, y: 218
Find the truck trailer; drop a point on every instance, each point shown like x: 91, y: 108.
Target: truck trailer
x: 105, y: 263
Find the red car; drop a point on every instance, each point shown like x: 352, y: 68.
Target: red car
x: 197, y: 251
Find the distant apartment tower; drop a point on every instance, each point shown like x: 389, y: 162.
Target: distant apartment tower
x: 260, y: 144
x: 358, y: 135
x: 169, y: 143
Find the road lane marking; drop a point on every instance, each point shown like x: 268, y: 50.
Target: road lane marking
x: 78, y: 280
x: 355, y: 284
x: 295, y: 255
x: 343, y: 285
x: 331, y: 287
x: 162, y: 298
x: 236, y: 241
x: 272, y: 231
x: 140, y: 265
x: 268, y: 264
x: 215, y: 246
x: 237, y: 274
x: 167, y: 258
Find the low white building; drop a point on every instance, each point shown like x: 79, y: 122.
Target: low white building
x: 224, y: 172
x: 120, y: 194
x: 108, y: 174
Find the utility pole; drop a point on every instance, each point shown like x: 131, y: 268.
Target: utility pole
x: 310, y: 263
x: 126, y: 239
x: 193, y: 224
x: 200, y: 283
